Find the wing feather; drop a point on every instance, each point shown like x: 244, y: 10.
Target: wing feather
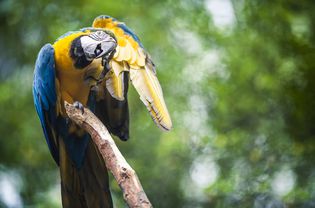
x: 131, y: 54
x: 150, y: 91
x: 44, y: 94
x: 115, y: 80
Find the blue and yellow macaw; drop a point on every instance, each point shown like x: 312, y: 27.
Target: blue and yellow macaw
x: 92, y: 68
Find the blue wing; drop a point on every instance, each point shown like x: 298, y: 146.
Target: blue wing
x: 44, y: 94
x: 122, y: 26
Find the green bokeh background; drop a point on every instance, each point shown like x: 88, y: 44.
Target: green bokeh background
x: 239, y: 81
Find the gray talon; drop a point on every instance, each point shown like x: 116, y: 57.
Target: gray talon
x: 79, y: 106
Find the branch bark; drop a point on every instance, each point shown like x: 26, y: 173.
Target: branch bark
x: 125, y: 176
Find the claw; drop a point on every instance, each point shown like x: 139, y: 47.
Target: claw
x: 106, y: 67
x: 79, y: 106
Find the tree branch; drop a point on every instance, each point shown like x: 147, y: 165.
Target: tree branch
x: 125, y: 176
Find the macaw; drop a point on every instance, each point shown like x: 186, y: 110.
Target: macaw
x: 91, y: 68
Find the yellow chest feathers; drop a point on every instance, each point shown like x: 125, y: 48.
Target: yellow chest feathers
x: 71, y: 82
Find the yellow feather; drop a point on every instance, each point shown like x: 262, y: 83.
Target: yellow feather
x: 70, y: 80
x: 115, y: 81
x: 120, y: 56
x: 141, y: 58
x: 61, y: 47
x: 149, y: 89
x: 133, y: 57
x: 117, y: 68
x: 117, y: 52
x: 126, y: 52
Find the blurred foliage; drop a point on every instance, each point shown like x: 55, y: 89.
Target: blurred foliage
x: 241, y: 96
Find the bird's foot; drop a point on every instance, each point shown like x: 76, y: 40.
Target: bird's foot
x: 79, y: 106
x: 105, y: 64
x: 106, y: 59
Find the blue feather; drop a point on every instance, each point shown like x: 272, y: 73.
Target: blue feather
x: 128, y: 31
x: 75, y: 145
x: 66, y: 34
x: 45, y: 99
x: 44, y: 94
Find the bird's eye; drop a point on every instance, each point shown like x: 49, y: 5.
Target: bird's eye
x: 98, y: 50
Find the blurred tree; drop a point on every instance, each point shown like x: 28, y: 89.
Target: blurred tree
x: 262, y: 113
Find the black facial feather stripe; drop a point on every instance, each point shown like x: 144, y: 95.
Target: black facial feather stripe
x: 77, y: 54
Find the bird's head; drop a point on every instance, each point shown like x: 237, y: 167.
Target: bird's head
x: 97, y: 45
x: 92, y: 53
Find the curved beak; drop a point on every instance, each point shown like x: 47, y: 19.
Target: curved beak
x: 98, y: 47
x: 107, y: 47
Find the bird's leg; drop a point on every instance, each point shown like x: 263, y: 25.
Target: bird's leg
x: 79, y: 106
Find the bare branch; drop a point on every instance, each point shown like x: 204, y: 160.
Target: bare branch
x: 125, y: 176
